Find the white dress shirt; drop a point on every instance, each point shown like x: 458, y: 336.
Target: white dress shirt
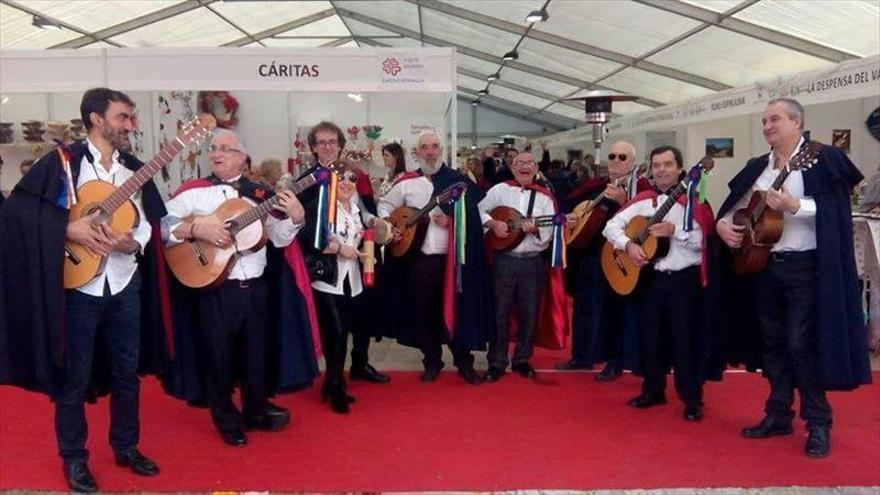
x: 349, y: 232
x: 202, y: 201
x: 120, y: 267
x: 504, y: 194
x: 416, y: 193
x: 798, y: 230
x: 684, y: 247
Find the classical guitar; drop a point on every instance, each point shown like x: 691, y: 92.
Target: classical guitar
x: 515, y: 234
x: 763, y: 225
x: 114, y: 206
x: 413, y: 222
x: 620, y: 270
x: 593, y: 213
x: 199, y: 264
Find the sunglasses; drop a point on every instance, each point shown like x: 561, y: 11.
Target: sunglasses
x: 353, y: 178
x: 621, y: 157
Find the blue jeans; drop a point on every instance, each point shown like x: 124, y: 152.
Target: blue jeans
x: 113, y: 323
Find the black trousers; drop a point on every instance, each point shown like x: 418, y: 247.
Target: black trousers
x: 786, y: 304
x: 519, y: 281
x: 425, y: 276
x: 111, y: 323
x: 337, y: 316
x: 669, y: 319
x: 233, y: 326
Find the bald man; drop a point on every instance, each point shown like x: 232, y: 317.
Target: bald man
x: 604, y: 327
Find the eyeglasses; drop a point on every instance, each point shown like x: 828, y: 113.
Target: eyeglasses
x: 530, y: 163
x: 327, y: 144
x: 223, y: 149
x: 621, y: 157
x: 353, y: 178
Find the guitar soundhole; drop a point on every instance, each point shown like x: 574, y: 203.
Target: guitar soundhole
x: 96, y: 208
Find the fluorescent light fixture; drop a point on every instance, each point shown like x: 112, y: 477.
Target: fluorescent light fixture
x: 43, y: 23
x: 537, y: 16
x: 356, y: 97
x: 493, y: 77
x: 511, y: 55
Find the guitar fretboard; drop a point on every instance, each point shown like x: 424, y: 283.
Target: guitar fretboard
x: 136, y: 181
x: 261, y: 210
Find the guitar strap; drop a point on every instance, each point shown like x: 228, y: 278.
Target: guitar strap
x: 531, y: 203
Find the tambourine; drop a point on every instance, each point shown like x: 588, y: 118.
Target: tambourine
x: 383, y: 232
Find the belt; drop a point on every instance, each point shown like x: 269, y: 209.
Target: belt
x: 240, y: 284
x: 509, y: 254
x: 789, y: 256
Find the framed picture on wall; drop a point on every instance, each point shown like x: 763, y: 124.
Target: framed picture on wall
x: 841, y: 139
x: 719, y: 147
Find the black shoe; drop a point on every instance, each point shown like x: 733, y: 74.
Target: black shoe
x: 693, y: 413
x: 524, y: 370
x: 138, y: 463
x: 818, y: 443
x: 367, y: 373
x: 430, y: 375
x: 235, y: 438
x: 340, y: 401
x: 768, y: 427
x: 493, y: 374
x: 572, y: 364
x: 644, y: 401
x: 274, y: 418
x: 609, y: 373
x: 79, y: 478
x: 470, y: 375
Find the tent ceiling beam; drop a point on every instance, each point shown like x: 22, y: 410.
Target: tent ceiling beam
x: 283, y: 28
x: 499, y: 108
x: 730, y: 23
x: 487, y: 57
x: 137, y: 22
x: 570, y: 44
x: 560, y: 120
x: 91, y: 36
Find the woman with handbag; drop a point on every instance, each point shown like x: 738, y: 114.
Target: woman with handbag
x: 336, y: 283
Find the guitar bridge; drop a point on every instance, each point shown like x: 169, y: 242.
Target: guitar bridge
x: 71, y: 256
x: 200, y: 254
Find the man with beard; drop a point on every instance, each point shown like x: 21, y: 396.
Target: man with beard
x: 68, y: 333
x: 327, y: 141
x: 440, y: 313
x: 807, y: 298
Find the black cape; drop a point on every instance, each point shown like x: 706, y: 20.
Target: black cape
x: 843, y: 362
x: 32, y: 234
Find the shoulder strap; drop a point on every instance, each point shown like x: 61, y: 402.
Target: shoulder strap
x: 531, y: 203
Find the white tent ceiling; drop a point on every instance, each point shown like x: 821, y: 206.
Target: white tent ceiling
x: 663, y: 51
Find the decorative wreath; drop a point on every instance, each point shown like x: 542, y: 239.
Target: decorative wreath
x: 222, y: 105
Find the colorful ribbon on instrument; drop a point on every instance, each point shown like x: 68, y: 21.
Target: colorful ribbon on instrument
x: 67, y: 193
x: 633, y: 181
x: 326, y: 221
x: 696, y: 187
x: 559, y: 255
x: 460, y: 237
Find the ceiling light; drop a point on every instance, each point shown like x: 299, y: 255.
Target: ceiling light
x: 511, y: 55
x: 537, y: 16
x: 493, y: 77
x: 43, y: 23
x: 356, y: 97
x: 475, y: 102
x: 483, y: 92
x: 4, y: 99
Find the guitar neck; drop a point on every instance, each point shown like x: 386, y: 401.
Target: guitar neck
x: 661, y: 212
x: 433, y: 203
x: 263, y: 209
x: 145, y: 173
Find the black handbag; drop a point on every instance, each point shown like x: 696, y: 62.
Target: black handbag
x: 321, y: 267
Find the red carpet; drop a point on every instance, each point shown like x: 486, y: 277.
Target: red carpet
x: 566, y: 432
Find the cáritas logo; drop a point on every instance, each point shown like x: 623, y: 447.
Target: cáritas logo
x: 391, y: 66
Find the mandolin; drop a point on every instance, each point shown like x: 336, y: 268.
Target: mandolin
x: 593, y: 213
x: 515, y: 234
x: 199, y: 264
x: 412, y: 223
x: 114, y: 206
x: 763, y: 225
x: 620, y: 270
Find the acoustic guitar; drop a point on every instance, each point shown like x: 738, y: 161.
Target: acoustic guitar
x: 114, y: 206
x: 515, y: 234
x: 593, y: 213
x: 413, y: 222
x: 200, y: 264
x: 620, y: 270
x: 763, y: 225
